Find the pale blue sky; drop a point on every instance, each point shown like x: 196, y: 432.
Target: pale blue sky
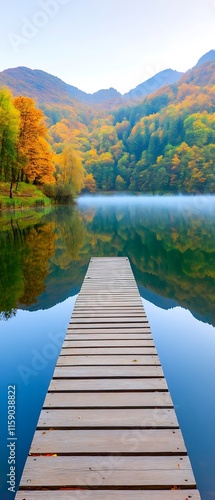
x: 94, y: 44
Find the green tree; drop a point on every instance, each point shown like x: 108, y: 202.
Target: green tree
x: 9, y: 130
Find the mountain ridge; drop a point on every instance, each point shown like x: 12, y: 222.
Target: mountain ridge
x: 46, y: 88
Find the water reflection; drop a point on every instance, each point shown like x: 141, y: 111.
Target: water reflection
x: 43, y: 259
x: 169, y: 241
x: 24, y: 265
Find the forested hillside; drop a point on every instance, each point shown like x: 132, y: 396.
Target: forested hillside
x: 164, y: 143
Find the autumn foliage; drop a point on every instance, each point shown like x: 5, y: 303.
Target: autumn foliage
x: 34, y: 156
x: 165, y: 143
x: 26, y: 155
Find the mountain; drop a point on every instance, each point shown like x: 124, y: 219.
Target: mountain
x: 38, y: 84
x: 49, y: 89
x: 202, y: 76
x: 166, y: 77
x: 209, y: 56
x: 203, y: 73
x: 46, y: 88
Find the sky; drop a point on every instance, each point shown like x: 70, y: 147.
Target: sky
x: 97, y: 44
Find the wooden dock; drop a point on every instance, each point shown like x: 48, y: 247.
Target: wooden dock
x: 108, y: 422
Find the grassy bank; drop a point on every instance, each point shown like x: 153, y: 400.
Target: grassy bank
x: 26, y: 196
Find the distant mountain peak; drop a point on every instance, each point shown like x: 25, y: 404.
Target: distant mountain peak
x: 165, y: 77
x: 105, y: 94
x: 209, y: 56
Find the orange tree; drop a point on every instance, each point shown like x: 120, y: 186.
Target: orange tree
x: 34, y: 155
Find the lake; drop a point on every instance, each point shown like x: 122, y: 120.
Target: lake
x: 44, y: 255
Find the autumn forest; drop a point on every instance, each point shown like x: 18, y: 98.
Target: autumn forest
x: 164, y: 143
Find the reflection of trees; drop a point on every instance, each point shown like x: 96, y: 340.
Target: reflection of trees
x: 39, y: 246
x: 55, y: 259
x: 69, y: 262
x: 69, y: 236
x: 11, y: 279
x: 172, y: 251
x: 24, y: 255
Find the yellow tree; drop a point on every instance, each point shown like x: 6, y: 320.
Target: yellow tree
x: 70, y: 168
x: 34, y: 155
x: 89, y: 183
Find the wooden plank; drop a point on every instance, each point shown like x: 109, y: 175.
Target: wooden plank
x: 145, y: 329
x: 124, y: 286
x: 127, y: 276
x: 109, y: 384
x: 114, y: 293
x: 89, y: 494
x: 140, y: 418
x: 107, y: 300
x: 108, y: 371
x: 110, y: 283
x: 142, y: 326
x: 160, y: 471
x: 107, y: 314
x: 87, y: 298
x: 165, y: 441
x: 122, y: 290
x: 108, y: 400
x: 109, y: 280
x: 113, y: 306
x: 118, y: 283
x: 108, y: 360
x: 136, y: 319
x: 107, y: 309
x: 132, y: 351
x: 117, y: 294
x: 96, y: 343
x: 127, y: 337
x: 106, y: 324
x: 111, y: 286
x: 98, y: 272
x: 124, y: 270
x: 117, y: 291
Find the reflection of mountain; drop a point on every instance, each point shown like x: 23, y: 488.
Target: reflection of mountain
x: 171, y: 246
x: 157, y: 300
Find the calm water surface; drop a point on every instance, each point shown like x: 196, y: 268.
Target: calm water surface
x: 44, y: 254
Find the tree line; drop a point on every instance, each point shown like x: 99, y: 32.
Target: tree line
x: 164, y: 144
